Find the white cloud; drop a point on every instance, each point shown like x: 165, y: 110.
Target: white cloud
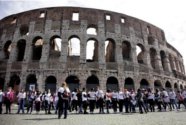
x: 169, y: 15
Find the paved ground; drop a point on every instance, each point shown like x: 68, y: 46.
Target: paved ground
x: 156, y: 118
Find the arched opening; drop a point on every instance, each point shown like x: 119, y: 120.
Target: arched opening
x: 181, y: 86
x: 74, y: 46
x: 37, y: 48
x: 126, y: 48
x: 55, y: 47
x: 140, y: 53
x: 92, y: 51
x: 168, y: 85
x: 175, y: 86
x: 24, y: 30
x: 7, y: 49
x: 31, y: 82
x: 92, y: 30
x: 129, y: 84
x: 14, y: 82
x: 50, y: 83
x: 157, y: 84
x: 151, y: 40
x: 21, y: 44
x: 153, y: 55
x: 73, y: 82
x: 112, y: 83
x: 92, y: 82
x: 144, y: 84
x: 171, y: 62
x: 109, y: 50
x: 2, y: 83
x: 163, y: 59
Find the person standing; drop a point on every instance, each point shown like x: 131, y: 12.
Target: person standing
x: 85, y: 100
x: 139, y: 97
x: 9, y: 98
x: 108, y: 97
x: 150, y: 98
x: 121, y: 100
x: 92, y: 100
x: 38, y: 102
x: 126, y: 100
x: 114, y: 100
x: 21, y: 100
x: 63, y: 100
x: 184, y: 97
x: 100, y: 99
x: 172, y: 96
x: 1, y: 101
x: 74, y: 100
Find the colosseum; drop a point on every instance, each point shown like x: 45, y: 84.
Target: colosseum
x: 86, y: 48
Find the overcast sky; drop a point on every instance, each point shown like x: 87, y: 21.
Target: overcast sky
x: 168, y: 15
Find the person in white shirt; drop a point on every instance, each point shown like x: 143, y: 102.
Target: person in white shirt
x: 1, y: 100
x: 132, y: 101
x: 92, y: 100
x: 172, y: 96
x: 121, y: 100
x: 114, y: 100
x: 74, y: 100
x: 84, y: 100
x: 166, y: 99
x: 150, y: 98
x: 100, y: 99
x: 21, y: 100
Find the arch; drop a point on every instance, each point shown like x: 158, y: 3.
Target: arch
x: 157, y: 84
x: 153, y: 55
x: 163, y: 59
x: 92, y: 82
x: 168, y: 85
x: 73, y: 82
x: 31, y: 82
x: 112, y: 83
x: 150, y: 40
x: 92, y: 30
x: 175, y: 86
x: 129, y: 84
x: 74, y: 46
x: 55, y: 46
x: 92, y: 50
x: 37, y: 48
x: 21, y: 45
x: 181, y: 86
x: 109, y: 50
x: 2, y: 83
x: 50, y: 83
x: 7, y: 49
x: 14, y: 82
x: 140, y: 53
x: 171, y: 62
x: 126, y: 50
x: 24, y: 30
x: 144, y: 84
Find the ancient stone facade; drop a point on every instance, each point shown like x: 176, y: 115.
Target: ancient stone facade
x: 44, y: 47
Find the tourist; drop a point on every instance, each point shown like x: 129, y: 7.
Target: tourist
x: 21, y: 100
x: 8, y: 100
x: 139, y: 97
x: 121, y: 100
x: 92, y: 100
x: 100, y: 99
x: 1, y: 100
x: 108, y: 97
x: 84, y: 101
x: 126, y: 100
x: 151, y: 100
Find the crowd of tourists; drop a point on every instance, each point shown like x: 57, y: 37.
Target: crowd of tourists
x: 85, y: 102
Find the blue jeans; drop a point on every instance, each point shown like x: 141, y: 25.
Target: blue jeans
x: 21, y: 105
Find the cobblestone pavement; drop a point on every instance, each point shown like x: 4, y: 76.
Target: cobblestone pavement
x: 156, y: 118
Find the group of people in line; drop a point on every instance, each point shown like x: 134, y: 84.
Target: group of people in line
x: 81, y: 101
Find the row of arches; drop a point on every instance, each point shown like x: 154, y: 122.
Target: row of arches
x: 91, y: 82
x: 92, y: 51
